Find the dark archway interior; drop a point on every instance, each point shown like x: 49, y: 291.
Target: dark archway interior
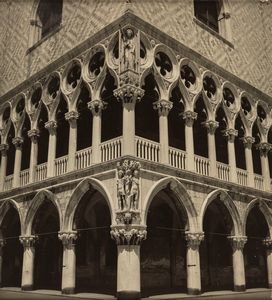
x: 96, y: 264
x: 12, y: 250
x: 176, y: 124
x: 26, y: 147
x: 216, y: 250
x: 44, y: 136
x: 163, y: 253
x: 221, y: 141
x: 146, y: 117
x: 254, y: 251
x: 63, y: 129
x: 48, y: 248
x: 239, y: 145
x: 11, y: 151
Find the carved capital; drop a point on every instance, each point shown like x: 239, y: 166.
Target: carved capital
x: 4, y: 148
x: 17, y: 142
x: 231, y: 134
x: 189, y: 117
x: 131, y: 236
x: 211, y: 126
x: 71, y: 116
x: 268, y: 243
x: 68, y: 238
x: 129, y: 94
x: 28, y: 241
x: 248, y: 141
x: 51, y: 126
x: 2, y: 243
x: 96, y: 106
x: 237, y: 242
x: 163, y: 107
x: 264, y: 148
x: 33, y: 134
x: 194, y: 239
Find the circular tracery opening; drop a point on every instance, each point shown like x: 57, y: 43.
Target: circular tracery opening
x: 228, y: 97
x: 6, y: 114
x: 261, y: 113
x: 36, y: 96
x: 20, y: 106
x: 53, y: 87
x: 73, y: 76
x: 246, y: 107
x: 209, y: 86
x: 188, y: 76
x: 96, y: 64
x: 164, y: 64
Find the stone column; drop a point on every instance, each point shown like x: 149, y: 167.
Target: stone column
x: 163, y: 107
x: 264, y: 149
x: 248, y: 142
x: 3, y: 167
x: 51, y: 126
x: 232, y: 134
x: 189, y: 117
x: 211, y: 127
x: 28, y: 262
x: 268, y: 243
x: 96, y: 107
x: 239, y: 281
x: 128, y: 260
x: 17, y: 142
x: 33, y: 135
x: 193, y: 262
x: 68, y: 283
x: 72, y: 117
x: 2, y: 244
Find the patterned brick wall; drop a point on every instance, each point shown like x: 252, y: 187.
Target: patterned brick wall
x: 251, y: 25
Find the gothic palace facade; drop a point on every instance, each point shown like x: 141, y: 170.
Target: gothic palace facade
x: 135, y: 146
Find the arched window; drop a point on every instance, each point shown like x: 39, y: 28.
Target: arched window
x: 26, y: 147
x: 257, y: 166
x: 48, y: 16
x: 221, y: 140
x: 63, y: 129
x: 239, y: 145
x: 44, y: 136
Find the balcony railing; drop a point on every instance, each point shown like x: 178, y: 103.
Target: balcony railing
x: 8, y: 182
x: 61, y: 164
x: 177, y: 158
x: 258, y: 182
x: 223, y: 171
x: 24, y: 177
x: 202, y: 165
x: 147, y: 149
x: 41, y: 172
x: 83, y: 158
x: 111, y: 149
x: 242, y: 177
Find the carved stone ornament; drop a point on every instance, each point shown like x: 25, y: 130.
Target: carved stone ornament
x: 268, y: 243
x: 264, y: 148
x: 67, y: 238
x: 248, y: 141
x: 189, y: 117
x: 231, y: 134
x: 17, y: 142
x: 129, y: 43
x: 128, y: 188
x: 211, y: 126
x: 194, y: 239
x: 71, y: 116
x: 133, y: 236
x: 237, y: 242
x: 163, y: 107
x: 51, y: 126
x: 33, y: 134
x: 28, y: 241
x: 4, y: 148
x: 96, y: 106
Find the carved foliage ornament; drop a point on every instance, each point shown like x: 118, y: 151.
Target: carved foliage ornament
x: 237, y: 242
x: 68, y: 238
x: 194, y: 239
x: 133, y: 236
x: 28, y: 241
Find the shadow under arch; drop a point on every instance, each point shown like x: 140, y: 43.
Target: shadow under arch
x: 82, y: 188
x: 37, y: 201
x: 182, y: 196
x: 228, y: 203
x: 4, y: 209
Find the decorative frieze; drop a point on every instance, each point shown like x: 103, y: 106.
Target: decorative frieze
x: 28, y: 241
x: 189, y: 117
x: 163, y: 107
x: 194, y: 239
x: 211, y: 126
x: 237, y: 242
x: 67, y: 238
x: 132, y: 236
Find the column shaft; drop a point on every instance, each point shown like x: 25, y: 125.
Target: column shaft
x: 189, y: 141
x: 231, y: 134
x: 3, y: 168
x: 164, y: 142
x: 17, y: 163
x: 51, y: 126
x: 128, y: 128
x: 33, y: 135
x: 268, y: 244
x: 264, y: 149
x: 2, y: 242
x: 248, y: 141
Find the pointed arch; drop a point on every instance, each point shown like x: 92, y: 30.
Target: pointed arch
x: 266, y: 211
x: 84, y: 186
x: 36, y: 202
x: 182, y: 195
x: 228, y: 202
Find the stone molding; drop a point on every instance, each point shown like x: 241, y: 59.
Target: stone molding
x: 163, y: 107
x: 189, y: 117
x: 67, y: 238
x: 28, y: 241
x: 194, y: 239
x: 211, y: 126
x: 128, y: 236
x: 237, y: 242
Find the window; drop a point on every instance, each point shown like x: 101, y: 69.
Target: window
x: 47, y: 17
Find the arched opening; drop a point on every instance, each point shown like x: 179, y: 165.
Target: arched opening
x: 176, y: 124
x: 216, y: 250
x: 85, y: 120
x: 146, y: 118
x: 163, y: 253
x: 254, y: 251
x: 199, y: 131
x: 12, y: 250
x: 221, y: 141
x: 256, y: 156
x: 26, y: 147
x: 239, y: 145
x: 11, y: 151
x: 48, y: 248
x: 96, y: 253
x: 44, y: 136
x: 112, y: 115
x: 62, y: 129
x: 270, y: 152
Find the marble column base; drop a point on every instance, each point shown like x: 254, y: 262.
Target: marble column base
x: 239, y: 288
x: 68, y: 291
x: 193, y: 291
x: 27, y: 287
x: 128, y: 295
